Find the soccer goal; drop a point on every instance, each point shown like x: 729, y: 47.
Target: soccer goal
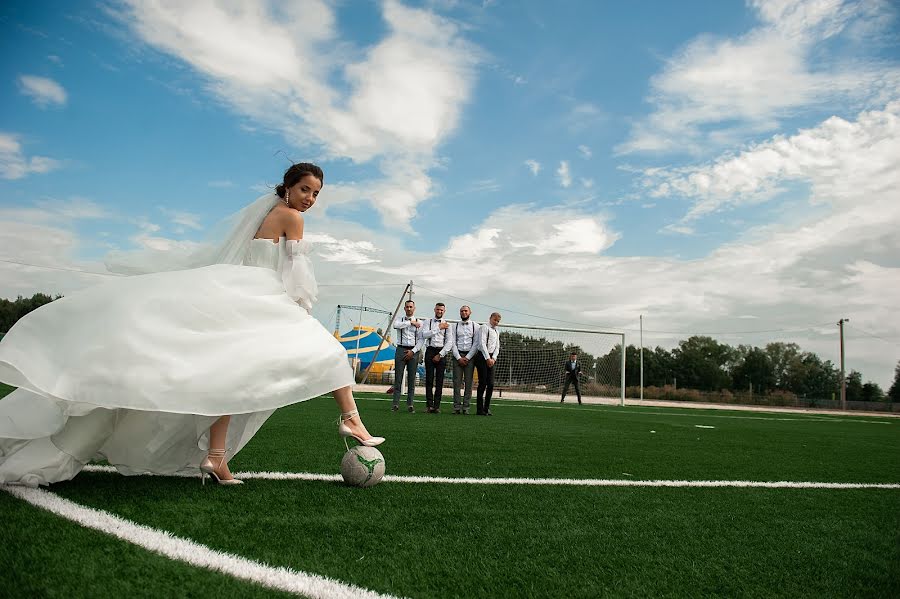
x: 532, y: 362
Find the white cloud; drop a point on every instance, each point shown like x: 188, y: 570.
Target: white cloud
x: 42, y: 91
x: 184, y: 220
x: 585, y: 151
x: 842, y: 160
x: 50, y: 210
x: 565, y: 177
x: 716, y: 90
x: 53, y: 249
x: 393, y: 102
x: 343, y: 251
x: 587, y: 183
x: 534, y: 166
x: 15, y: 165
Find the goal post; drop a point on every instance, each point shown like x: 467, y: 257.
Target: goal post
x: 532, y: 361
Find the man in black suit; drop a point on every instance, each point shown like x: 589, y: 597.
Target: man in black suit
x: 573, y: 369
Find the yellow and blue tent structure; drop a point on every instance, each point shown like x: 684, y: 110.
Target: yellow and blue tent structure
x: 369, y: 341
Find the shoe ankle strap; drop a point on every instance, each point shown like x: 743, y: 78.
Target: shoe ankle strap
x: 216, y: 453
x: 348, y: 415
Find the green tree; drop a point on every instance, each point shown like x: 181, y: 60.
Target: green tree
x: 782, y: 355
x: 658, y: 367
x: 854, y: 386
x: 754, y: 368
x: 893, y: 393
x: 872, y: 392
x: 701, y: 362
x: 12, y: 311
x: 808, y: 376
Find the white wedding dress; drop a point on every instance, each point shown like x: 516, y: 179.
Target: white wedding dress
x: 134, y: 371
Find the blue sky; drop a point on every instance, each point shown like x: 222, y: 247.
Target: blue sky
x: 719, y: 167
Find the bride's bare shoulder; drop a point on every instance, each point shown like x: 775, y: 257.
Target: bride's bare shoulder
x: 282, y: 222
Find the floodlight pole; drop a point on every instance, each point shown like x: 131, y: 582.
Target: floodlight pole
x: 840, y: 324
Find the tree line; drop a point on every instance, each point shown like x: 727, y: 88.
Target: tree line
x: 12, y: 311
x: 699, y: 362
x: 705, y: 364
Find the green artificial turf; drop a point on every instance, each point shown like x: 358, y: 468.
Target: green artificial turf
x: 446, y: 540
x: 43, y: 555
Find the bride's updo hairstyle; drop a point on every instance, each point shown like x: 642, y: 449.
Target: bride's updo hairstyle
x: 297, y: 172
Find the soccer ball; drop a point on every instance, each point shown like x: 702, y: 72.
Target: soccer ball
x: 362, y: 466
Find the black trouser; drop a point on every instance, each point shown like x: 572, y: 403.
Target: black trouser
x: 434, y: 385
x: 571, y: 379
x: 485, y: 383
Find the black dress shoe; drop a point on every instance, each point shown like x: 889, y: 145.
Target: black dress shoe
x: 479, y: 413
x: 488, y: 413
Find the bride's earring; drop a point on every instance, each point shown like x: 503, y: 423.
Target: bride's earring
x: 287, y: 198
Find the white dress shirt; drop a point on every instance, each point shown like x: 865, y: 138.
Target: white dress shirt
x: 488, y: 341
x: 432, y: 335
x: 463, y: 339
x: 407, y: 333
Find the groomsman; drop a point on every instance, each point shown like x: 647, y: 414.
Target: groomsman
x: 437, y: 345
x: 406, y: 358
x: 572, y: 369
x: 488, y: 346
x: 463, y: 347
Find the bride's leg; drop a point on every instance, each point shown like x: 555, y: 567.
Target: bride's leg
x: 218, y: 433
x: 343, y: 397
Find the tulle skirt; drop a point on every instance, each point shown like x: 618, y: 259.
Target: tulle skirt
x: 135, y: 371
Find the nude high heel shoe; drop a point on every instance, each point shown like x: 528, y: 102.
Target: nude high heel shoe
x: 344, y: 432
x: 207, y: 468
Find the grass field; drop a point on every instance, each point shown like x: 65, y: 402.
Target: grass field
x: 463, y: 540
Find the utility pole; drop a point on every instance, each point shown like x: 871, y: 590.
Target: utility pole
x: 840, y: 324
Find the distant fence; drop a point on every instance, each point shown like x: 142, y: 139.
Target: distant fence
x: 779, y: 399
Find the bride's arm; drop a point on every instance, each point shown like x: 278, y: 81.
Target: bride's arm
x: 293, y: 225
x: 297, y: 271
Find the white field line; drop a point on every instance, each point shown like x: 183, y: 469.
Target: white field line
x: 617, y: 409
x: 195, y: 554
x: 568, y: 482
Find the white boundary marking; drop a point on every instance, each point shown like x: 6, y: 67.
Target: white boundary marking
x: 569, y: 482
x: 195, y: 554
x: 642, y: 410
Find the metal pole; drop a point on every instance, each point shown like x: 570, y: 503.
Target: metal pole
x: 378, y: 347
x: 642, y: 357
x: 356, y: 364
x: 843, y: 378
x: 337, y: 323
x: 622, y: 396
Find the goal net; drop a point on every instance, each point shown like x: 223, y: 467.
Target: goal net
x: 532, y: 362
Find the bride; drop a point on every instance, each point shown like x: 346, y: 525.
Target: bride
x: 174, y: 370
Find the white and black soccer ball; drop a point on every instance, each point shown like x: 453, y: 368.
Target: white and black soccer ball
x: 362, y: 466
